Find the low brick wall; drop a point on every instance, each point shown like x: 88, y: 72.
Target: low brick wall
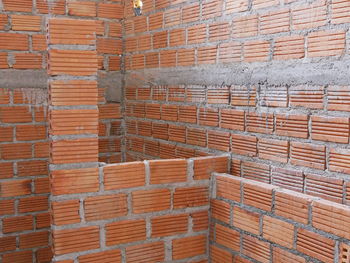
x: 258, y: 222
x: 134, y: 212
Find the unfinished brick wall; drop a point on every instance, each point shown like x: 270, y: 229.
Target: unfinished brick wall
x: 295, y: 137
x: 264, y: 223
x: 24, y: 181
x: 152, y: 211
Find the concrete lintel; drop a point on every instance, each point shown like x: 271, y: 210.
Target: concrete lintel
x: 14, y: 79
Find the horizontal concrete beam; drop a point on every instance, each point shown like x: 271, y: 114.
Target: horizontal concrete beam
x: 14, y: 79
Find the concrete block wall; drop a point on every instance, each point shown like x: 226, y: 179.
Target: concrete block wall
x: 151, y: 211
x: 273, y: 134
x: 256, y: 222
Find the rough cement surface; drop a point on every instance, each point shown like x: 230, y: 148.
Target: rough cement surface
x: 112, y: 83
x: 14, y: 79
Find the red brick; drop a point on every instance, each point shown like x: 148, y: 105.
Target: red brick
x: 246, y: 220
x: 275, y: 22
x: 331, y: 129
x: 243, y: 95
x: 169, y: 112
x: 7, y: 207
x: 26, y: 23
x: 289, y: 47
x: 82, y: 8
x: 160, y: 131
x: 278, y: 231
x: 200, y: 220
x: 144, y: 128
x: 18, y: 5
x: 65, y: 212
x: 280, y: 255
x: 221, y: 210
x: 315, y: 245
x: 126, y: 231
x: 41, y: 150
x: 244, y: 145
x: 274, y: 150
x: 307, y: 96
x: 16, y: 224
x: 155, y: 21
x: 229, y: 187
x: 256, y: 171
x: 58, y: 8
x: 292, y: 125
x: 218, y: 255
x: 309, y: 155
x: 340, y: 9
x: 218, y: 95
x: 188, y: 114
x: 15, y: 188
x: 172, y: 17
x: 112, y: 10
x: 168, y: 171
x: 7, y: 243
x: 3, y: 65
x: 33, y: 204
x: 18, y: 257
x: 6, y: 170
x: 207, y: 55
x: 219, y: 31
x: 289, y: 179
x: 309, y: 16
x: 273, y: 96
x: 227, y: 237
x: 257, y: 4
x: 338, y: 98
x: 326, y: 43
x: 245, y: 26
x: 30, y: 132
x: 105, y: 257
x: 258, y: 195
x: 32, y: 240
x: 140, y: 24
x: 219, y: 140
x: 205, y: 166
x: 189, y: 247
x: 169, y: 225
x: 190, y: 197
x: 109, y: 46
x: 256, y: 51
x: 230, y: 52
x: 177, y: 133
x: 232, y: 119
x: 190, y: 13
x: 211, y: 9
x: 6, y: 134
x: 15, y: 114
x: 196, y: 93
x: 233, y: 6
x: 256, y: 249
x: 196, y: 34
x: 144, y: 253
x: 145, y: 201
x: 66, y: 241
x: 11, y: 41
x: 196, y: 137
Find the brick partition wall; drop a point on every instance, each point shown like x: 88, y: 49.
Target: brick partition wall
x: 296, y: 137
x: 256, y: 222
x: 24, y: 180
x: 151, y: 211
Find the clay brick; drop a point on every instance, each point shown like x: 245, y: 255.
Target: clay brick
x: 191, y: 197
x: 228, y: 187
x: 243, y: 95
x: 219, y: 140
x: 169, y: 112
x: 246, y: 220
x: 155, y: 21
x: 211, y: 9
x: 340, y: 9
x: 200, y: 220
x: 150, y: 252
x: 44, y: 255
x: 326, y: 43
x: 3, y: 21
x: 232, y: 119
x: 16, y: 151
x: 144, y: 128
x: 196, y: 137
x: 330, y: 129
x: 290, y: 47
x: 18, y: 257
x: 172, y: 17
x: 76, y: 62
x: 230, y: 52
x: 289, y: 179
x: 280, y: 255
x: 189, y: 247
x: 218, y: 95
x: 26, y: 23
x: 338, y: 98
x: 30, y: 132
x: 245, y: 26
x: 309, y: 155
x: 339, y: 160
x: 159, y: 92
x: 244, y: 145
x: 152, y: 60
x: 74, y: 151
x: 256, y: 51
x: 72, y: 31
x: 7, y: 243
x: 220, y: 210
x: 183, y: 152
x: 292, y: 125
x: 325, y: 187
x: 126, y: 231
x: 145, y: 201
x: 160, y: 131
x: 124, y: 176
x: 168, y: 58
x: 274, y: 150
x: 168, y: 171
x: 74, y: 181
x: 7, y: 207
x: 6, y: 134
x: 115, y: 29
x: 15, y: 114
x: 207, y: 55
x: 272, y: 96
x: 32, y: 240
x: 258, y: 195
x: 28, y: 61
x: 205, y: 166
x: 112, y: 10
x: 197, y: 34
x: 15, y: 188
x: 177, y: 37
x: 218, y: 255
x: 315, y: 245
x: 190, y: 13
x: 257, y: 4
x: 105, y: 207
x: 66, y: 241
x: 59, y: 8
x: 256, y: 249
x: 140, y: 24
x: 6, y: 170
x: 18, y: 5
x: 169, y: 225
x: 109, y: 46
x: 177, y: 133
x: 3, y: 65
x: 219, y: 31
x: 292, y: 205
x: 160, y: 39
x: 109, y: 256
x: 65, y: 212
x: 234, y: 6
x: 16, y: 224
x: 152, y: 148
x: 275, y: 22
x: 82, y: 8
x: 144, y: 93
x: 166, y: 151
x: 73, y: 92
x: 227, y: 237
x: 307, y: 96
x: 41, y: 150
x: 188, y: 114
x: 309, y: 16
x: 330, y: 217
x: 33, y: 204
x: 42, y: 185
x: 278, y: 231
x: 196, y: 93
x: 153, y: 111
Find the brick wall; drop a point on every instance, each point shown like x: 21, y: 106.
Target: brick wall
x: 257, y: 222
x: 24, y: 181
x: 134, y: 212
x: 295, y: 137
